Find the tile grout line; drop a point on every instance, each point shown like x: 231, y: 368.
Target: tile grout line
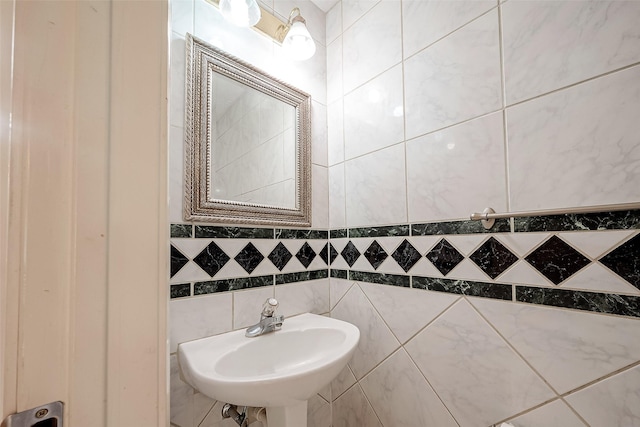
x: 422, y: 49
x: 511, y: 346
x: 527, y: 411
x: 572, y: 85
x: 369, y: 402
x: 404, y: 118
x: 430, y: 386
x: 576, y: 413
x: 505, y: 132
x: 401, y: 347
x: 625, y: 368
x: 502, y: 109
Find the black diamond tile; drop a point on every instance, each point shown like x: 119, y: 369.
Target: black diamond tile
x: 406, y: 255
x: 211, y: 259
x: 280, y: 256
x: 305, y: 255
x: 178, y: 260
x: 350, y: 253
x: 249, y: 258
x: 375, y: 254
x: 556, y: 260
x: 493, y: 257
x: 444, y: 257
x: 625, y: 261
x: 328, y: 253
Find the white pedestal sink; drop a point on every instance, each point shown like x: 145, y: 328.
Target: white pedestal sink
x: 280, y: 370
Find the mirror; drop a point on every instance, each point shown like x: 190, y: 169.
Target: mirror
x: 248, y: 143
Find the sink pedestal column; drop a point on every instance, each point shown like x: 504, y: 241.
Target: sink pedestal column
x: 287, y: 416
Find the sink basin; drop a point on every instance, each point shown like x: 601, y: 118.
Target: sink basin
x: 281, y: 369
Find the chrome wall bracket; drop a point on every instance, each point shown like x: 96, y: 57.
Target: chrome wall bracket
x: 487, y: 222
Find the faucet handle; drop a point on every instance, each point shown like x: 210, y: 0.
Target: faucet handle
x: 269, y: 307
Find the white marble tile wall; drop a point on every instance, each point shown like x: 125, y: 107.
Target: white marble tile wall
x: 372, y: 45
x: 373, y: 115
x: 448, y: 161
x: 562, y: 77
x: 369, y: 177
x: 588, y: 39
x: 512, y: 104
x: 580, y: 144
x: 475, y: 362
x: 455, y: 79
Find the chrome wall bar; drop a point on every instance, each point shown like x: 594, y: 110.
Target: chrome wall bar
x: 488, y: 216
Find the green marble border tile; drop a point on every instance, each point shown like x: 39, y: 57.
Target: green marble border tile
x: 284, y: 233
x: 180, y: 290
x: 464, y: 287
x: 622, y: 220
x: 339, y: 274
x: 339, y: 233
x: 224, y: 285
x: 215, y: 232
x: 302, y: 276
x: 458, y: 227
x: 380, y: 278
x: 624, y: 305
x: 391, y: 230
x: 180, y: 230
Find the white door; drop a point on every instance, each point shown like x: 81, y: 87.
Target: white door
x: 83, y: 232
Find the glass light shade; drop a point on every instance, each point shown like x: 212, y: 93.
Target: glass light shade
x: 298, y: 42
x: 243, y: 13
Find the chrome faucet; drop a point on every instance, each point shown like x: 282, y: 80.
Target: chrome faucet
x: 269, y: 322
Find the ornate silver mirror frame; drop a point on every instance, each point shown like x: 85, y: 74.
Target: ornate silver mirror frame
x: 203, y: 61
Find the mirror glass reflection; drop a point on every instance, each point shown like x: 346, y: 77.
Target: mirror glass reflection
x: 253, y: 153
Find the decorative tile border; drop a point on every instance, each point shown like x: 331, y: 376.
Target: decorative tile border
x: 622, y: 220
x: 181, y: 230
x: 459, y: 227
x: 380, y: 278
x: 392, y: 230
x: 463, y: 287
x: 301, y: 234
x: 181, y: 290
x: 224, y: 285
x: 490, y: 257
x: 215, y: 232
x: 624, y: 305
x: 339, y: 274
x: 303, y: 276
x: 338, y: 233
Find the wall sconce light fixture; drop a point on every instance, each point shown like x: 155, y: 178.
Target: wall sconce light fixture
x: 292, y: 35
x: 297, y: 41
x: 243, y: 13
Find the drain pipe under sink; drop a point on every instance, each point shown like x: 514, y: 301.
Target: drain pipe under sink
x: 249, y: 415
